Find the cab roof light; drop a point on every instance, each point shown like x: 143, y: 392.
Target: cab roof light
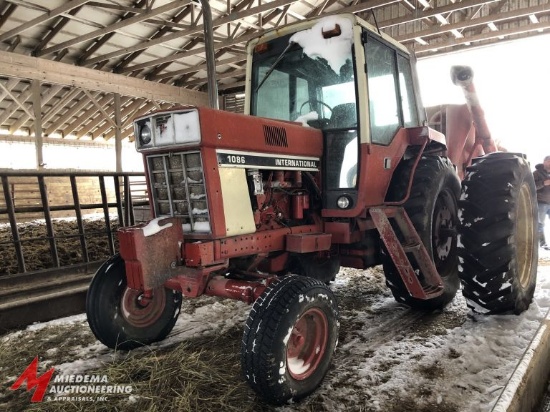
x: 261, y: 48
x: 335, y: 32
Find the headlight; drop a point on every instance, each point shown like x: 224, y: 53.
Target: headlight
x: 145, y: 135
x: 164, y: 129
x: 187, y: 127
x: 343, y: 202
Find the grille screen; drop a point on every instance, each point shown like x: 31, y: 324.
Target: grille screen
x: 275, y: 136
x: 177, y: 183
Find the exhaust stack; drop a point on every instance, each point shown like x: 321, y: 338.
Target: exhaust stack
x: 209, y: 52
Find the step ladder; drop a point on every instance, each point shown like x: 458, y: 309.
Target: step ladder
x: 432, y: 285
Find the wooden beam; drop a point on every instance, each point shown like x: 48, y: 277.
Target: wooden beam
x: 225, y: 75
x: 194, y: 69
x: 61, y: 103
x: 422, y: 14
x: 20, y: 103
x: 6, y: 13
x: 41, y: 19
x: 219, y: 45
x: 37, y: 109
x: 236, y: 85
x: 191, y: 31
x: 46, y: 97
x: 484, y: 36
x: 100, y: 41
x: 131, y: 111
x: 498, y: 17
x: 159, y: 33
x: 53, y: 30
x: 115, y: 7
x: 57, y: 125
x: 100, y: 127
x: 9, y: 86
x: 87, y: 116
x: 17, y: 65
x: 100, y: 107
x: 112, y: 27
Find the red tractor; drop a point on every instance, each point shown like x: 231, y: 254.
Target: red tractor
x: 332, y: 165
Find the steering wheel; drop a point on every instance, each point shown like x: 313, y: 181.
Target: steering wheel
x: 315, y: 101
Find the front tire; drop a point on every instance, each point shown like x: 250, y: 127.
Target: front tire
x: 289, y: 339
x: 317, y: 266
x: 498, y: 234
x: 432, y: 209
x: 116, y: 316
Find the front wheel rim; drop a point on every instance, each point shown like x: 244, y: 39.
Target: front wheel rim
x: 307, y: 344
x: 138, y: 314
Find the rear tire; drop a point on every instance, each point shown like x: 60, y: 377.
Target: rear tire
x: 289, y: 339
x: 116, y: 316
x: 498, y: 234
x: 432, y: 209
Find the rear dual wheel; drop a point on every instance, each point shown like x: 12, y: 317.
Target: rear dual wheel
x: 289, y: 339
x: 121, y: 317
x: 498, y: 234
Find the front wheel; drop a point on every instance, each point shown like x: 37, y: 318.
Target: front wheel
x: 120, y: 317
x: 317, y: 266
x: 498, y: 234
x: 289, y: 339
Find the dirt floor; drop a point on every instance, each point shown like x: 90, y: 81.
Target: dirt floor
x: 201, y: 372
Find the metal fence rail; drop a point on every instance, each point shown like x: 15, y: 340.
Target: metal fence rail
x: 55, y: 285
x: 119, y: 208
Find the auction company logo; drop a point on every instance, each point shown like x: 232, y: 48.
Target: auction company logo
x: 69, y: 387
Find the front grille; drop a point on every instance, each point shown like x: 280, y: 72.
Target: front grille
x: 178, y: 189
x: 275, y: 136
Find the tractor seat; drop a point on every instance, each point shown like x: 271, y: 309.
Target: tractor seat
x: 343, y: 116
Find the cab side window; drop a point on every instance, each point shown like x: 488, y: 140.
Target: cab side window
x: 391, y: 95
x: 408, y: 102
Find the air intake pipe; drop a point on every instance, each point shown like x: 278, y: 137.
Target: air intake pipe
x: 463, y: 76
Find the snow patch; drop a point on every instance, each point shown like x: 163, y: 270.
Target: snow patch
x: 335, y: 50
x: 154, y: 227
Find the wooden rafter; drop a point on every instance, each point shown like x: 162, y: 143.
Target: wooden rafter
x: 41, y: 19
x: 100, y: 41
x: 191, y: 31
x: 46, y: 98
x: 111, y: 28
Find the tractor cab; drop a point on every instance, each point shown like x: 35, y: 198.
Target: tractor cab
x: 316, y: 74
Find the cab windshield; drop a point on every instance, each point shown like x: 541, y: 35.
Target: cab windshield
x: 290, y: 82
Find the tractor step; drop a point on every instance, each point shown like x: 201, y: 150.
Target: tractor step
x: 432, y: 286
x: 410, y: 247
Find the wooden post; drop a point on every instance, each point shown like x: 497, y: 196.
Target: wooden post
x: 37, y: 108
x: 118, y: 133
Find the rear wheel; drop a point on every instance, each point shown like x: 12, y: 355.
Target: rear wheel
x: 289, y: 339
x: 120, y: 317
x: 498, y: 234
x: 432, y: 208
